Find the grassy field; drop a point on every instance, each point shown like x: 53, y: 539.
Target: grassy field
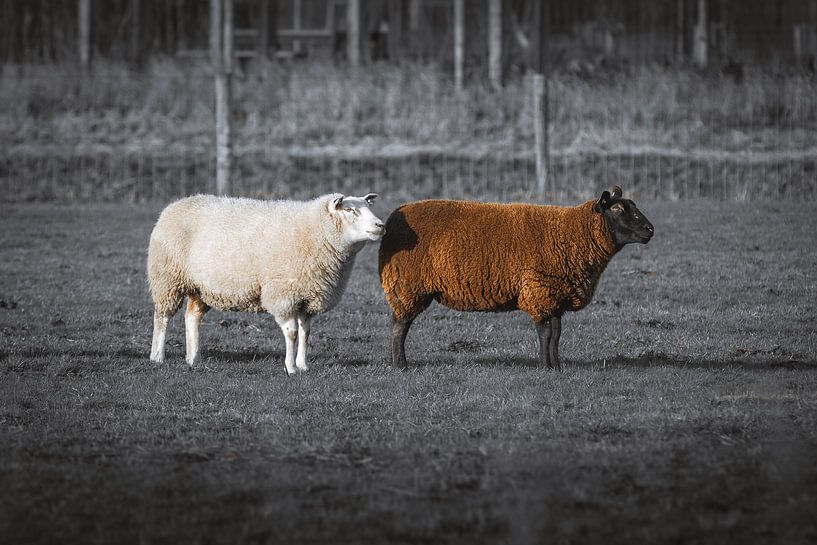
x: 687, y: 411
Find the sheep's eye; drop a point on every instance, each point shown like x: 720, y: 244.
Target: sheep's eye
x: 617, y: 208
x: 354, y: 211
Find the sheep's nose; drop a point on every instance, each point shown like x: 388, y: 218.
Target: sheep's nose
x: 379, y: 225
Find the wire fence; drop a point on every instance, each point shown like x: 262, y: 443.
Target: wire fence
x: 135, y: 176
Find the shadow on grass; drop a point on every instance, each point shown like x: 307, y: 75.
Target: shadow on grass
x: 655, y: 360
x: 128, y: 353
x: 356, y: 362
x: 244, y: 356
x: 666, y: 360
x: 218, y: 357
x: 483, y: 361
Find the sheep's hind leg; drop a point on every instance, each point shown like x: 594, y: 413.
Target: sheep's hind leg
x: 192, y: 319
x: 157, y: 346
x: 399, y: 330
x: 555, y: 334
x: 290, y: 328
x: 303, y: 339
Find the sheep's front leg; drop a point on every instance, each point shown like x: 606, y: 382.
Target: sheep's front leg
x: 549, y: 330
x: 290, y: 328
x: 192, y: 320
x: 303, y: 340
x: 157, y: 346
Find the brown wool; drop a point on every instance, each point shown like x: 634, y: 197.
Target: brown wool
x: 493, y: 257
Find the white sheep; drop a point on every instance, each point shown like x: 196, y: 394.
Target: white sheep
x: 289, y: 258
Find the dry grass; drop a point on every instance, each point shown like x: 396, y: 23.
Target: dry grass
x: 686, y: 413
x: 319, y: 103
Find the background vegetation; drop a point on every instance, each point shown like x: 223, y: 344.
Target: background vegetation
x: 300, y: 129
x: 320, y: 103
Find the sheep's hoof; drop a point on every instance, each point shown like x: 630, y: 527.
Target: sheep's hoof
x: 400, y: 362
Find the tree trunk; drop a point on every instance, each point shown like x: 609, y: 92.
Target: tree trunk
x: 679, y: 32
x: 701, y: 53
x: 459, y: 43
x: 414, y: 15
x: 135, y: 53
x: 84, y: 34
x: 495, y: 43
x: 167, y: 19
x: 395, y: 29
x: 263, y: 38
x: 181, y: 27
x: 353, y: 32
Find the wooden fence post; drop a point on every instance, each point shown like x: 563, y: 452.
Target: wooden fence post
x: 459, y: 43
x: 495, y: 43
x: 797, y: 46
x: 84, y: 34
x: 541, y: 103
x: 539, y: 130
x: 297, y: 10
x: 221, y: 51
x: 228, y: 42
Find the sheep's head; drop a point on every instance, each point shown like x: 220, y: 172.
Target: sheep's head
x: 355, y: 218
x: 626, y: 221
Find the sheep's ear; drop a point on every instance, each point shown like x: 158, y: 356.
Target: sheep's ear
x: 617, y: 191
x: 338, y: 203
x: 370, y: 197
x: 604, y: 202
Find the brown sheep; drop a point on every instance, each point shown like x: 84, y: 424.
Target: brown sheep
x: 544, y: 260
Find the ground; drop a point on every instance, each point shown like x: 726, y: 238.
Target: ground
x: 687, y: 410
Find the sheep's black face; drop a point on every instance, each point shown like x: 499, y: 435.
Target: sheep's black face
x: 624, y: 218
